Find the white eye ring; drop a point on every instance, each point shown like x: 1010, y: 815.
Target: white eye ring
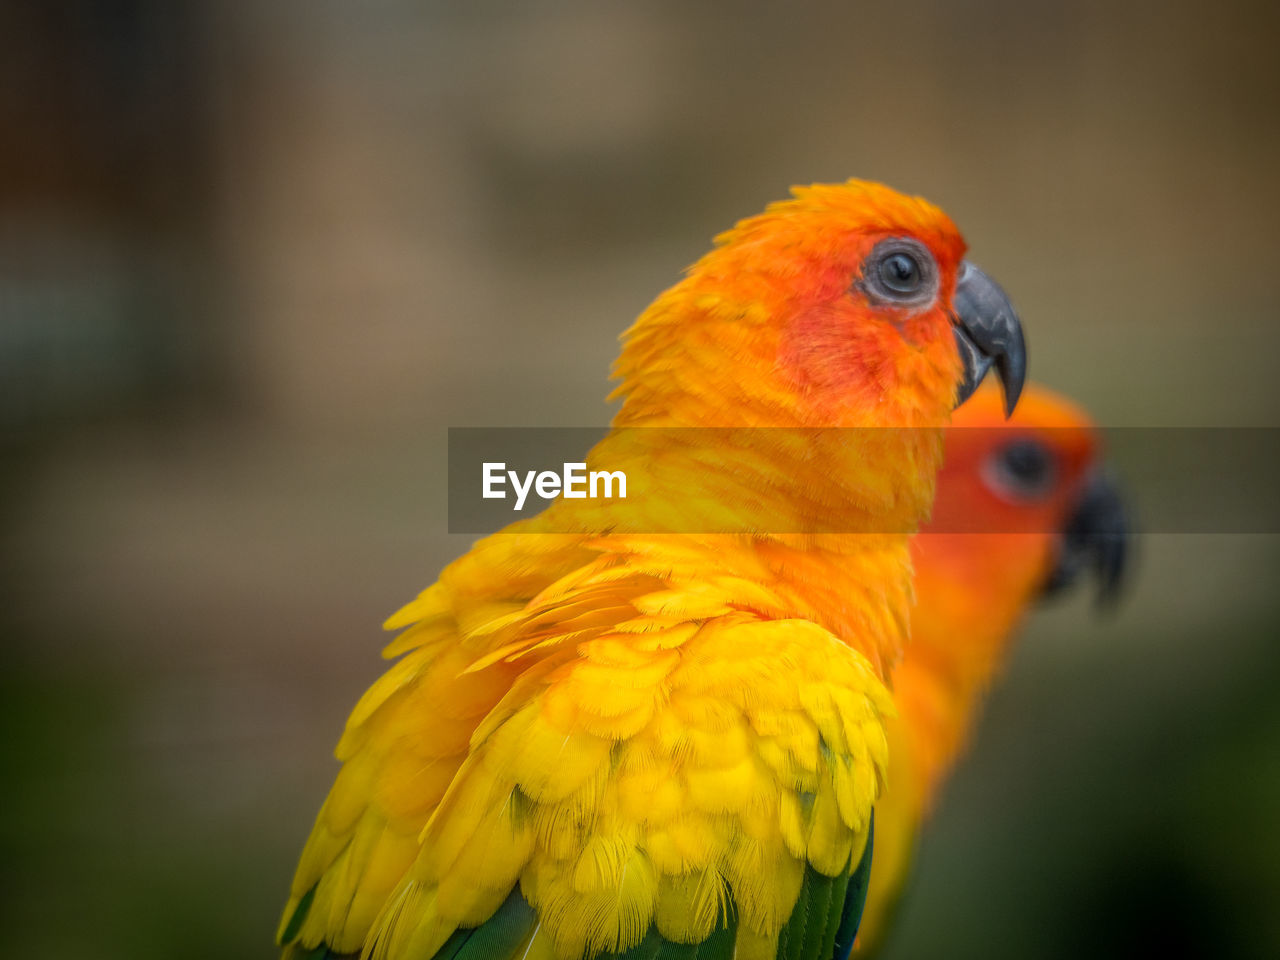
x: 1022, y: 470
x: 899, y: 272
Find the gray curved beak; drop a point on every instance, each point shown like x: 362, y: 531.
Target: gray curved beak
x: 1096, y: 541
x: 988, y: 334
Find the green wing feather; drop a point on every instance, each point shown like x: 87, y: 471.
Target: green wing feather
x: 855, y: 898
x: 826, y: 916
x: 498, y: 937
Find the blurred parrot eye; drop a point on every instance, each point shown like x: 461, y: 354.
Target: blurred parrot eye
x: 900, y: 272
x: 1021, y: 470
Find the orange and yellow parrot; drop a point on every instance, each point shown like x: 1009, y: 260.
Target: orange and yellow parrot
x: 1025, y: 507
x: 667, y: 743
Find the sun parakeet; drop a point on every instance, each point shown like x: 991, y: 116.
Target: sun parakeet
x: 1039, y: 510
x: 604, y: 744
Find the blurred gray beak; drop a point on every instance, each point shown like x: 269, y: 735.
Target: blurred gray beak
x: 1096, y: 541
x: 988, y: 333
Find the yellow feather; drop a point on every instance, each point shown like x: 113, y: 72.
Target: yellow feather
x: 765, y: 880
x: 722, y: 789
x: 618, y: 727
x: 844, y: 776
x: 820, y: 704
x: 654, y: 795
x: 592, y: 692
x: 321, y: 850
x: 560, y: 831
x: 430, y: 602
x: 603, y: 860
x: 547, y: 763
x: 690, y: 841
x: 791, y: 823
x: 602, y: 920
x: 383, y: 868
x: 407, y: 926
x: 830, y: 841
x: 692, y: 906
x: 394, y: 680
x: 712, y: 716
x: 691, y: 603
x: 350, y: 795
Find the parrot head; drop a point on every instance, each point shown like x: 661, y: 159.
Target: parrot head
x: 849, y: 305
x: 1023, y: 507
x: 1032, y: 504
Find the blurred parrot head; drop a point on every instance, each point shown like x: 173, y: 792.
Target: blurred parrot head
x: 1024, y: 507
x: 1037, y: 474
x: 848, y: 305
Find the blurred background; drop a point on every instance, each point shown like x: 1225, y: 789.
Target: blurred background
x: 255, y: 258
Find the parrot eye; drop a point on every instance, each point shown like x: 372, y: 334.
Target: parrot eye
x: 900, y: 272
x: 1021, y: 470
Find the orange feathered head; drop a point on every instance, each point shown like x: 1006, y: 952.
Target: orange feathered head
x: 1015, y: 475
x: 849, y: 305
x: 1022, y: 507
